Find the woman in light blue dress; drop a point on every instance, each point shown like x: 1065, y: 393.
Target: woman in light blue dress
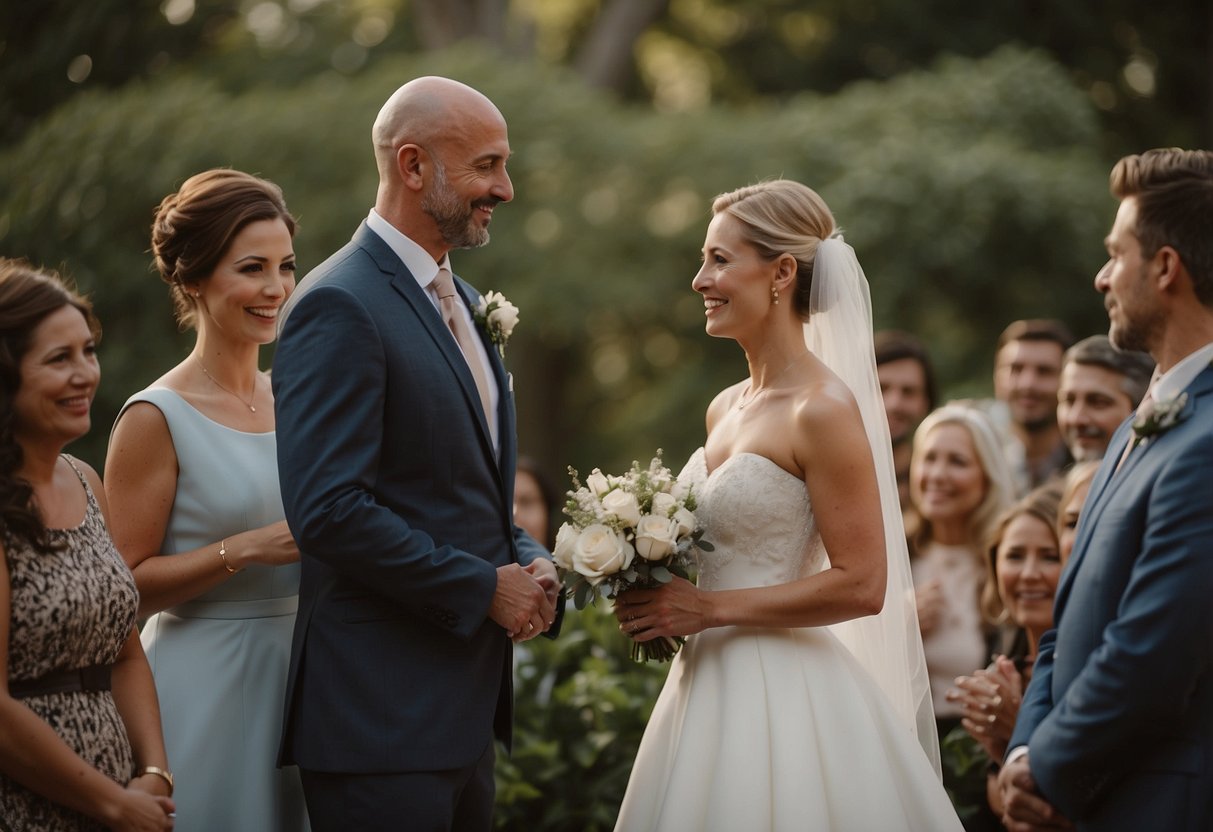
x: 192, y: 480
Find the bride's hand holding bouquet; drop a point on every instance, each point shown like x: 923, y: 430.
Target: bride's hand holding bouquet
x: 629, y: 533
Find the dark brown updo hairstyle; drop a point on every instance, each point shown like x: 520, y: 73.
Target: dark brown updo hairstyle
x: 27, y: 297
x: 194, y: 228
x: 782, y: 217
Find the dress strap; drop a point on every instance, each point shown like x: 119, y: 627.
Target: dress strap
x: 88, y: 489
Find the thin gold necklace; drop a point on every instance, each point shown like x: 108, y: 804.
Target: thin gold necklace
x: 248, y: 404
x: 742, y: 404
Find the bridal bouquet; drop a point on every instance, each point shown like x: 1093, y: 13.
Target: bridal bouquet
x: 637, y: 531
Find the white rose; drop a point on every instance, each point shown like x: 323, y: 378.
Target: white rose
x: 663, y: 504
x: 655, y: 536
x: 679, y: 491
x: 566, y: 540
x: 505, y: 316
x: 686, y: 521
x: 623, y: 505
x: 600, y: 551
x: 597, y: 483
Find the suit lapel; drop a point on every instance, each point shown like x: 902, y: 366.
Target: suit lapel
x: 427, y: 314
x: 1108, y: 481
x: 505, y: 409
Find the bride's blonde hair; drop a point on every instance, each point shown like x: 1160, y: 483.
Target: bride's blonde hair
x: 782, y: 217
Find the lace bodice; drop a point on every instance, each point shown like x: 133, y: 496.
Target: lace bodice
x: 758, y: 518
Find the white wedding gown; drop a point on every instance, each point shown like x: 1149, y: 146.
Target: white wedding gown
x: 773, y: 729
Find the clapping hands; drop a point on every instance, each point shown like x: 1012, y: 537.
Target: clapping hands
x: 990, y: 700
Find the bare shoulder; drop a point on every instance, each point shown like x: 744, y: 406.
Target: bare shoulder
x: 828, y: 426
x: 724, y: 402
x: 826, y: 401
x: 142, y: 420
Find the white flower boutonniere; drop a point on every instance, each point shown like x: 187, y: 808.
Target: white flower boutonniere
x: 1156, y: 418
x: 497, y: 316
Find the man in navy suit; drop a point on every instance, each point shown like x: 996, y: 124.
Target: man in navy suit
x: 1115, y: 732
x: 396, y: 454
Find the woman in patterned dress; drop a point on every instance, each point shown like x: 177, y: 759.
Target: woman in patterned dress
x: 80, y: 740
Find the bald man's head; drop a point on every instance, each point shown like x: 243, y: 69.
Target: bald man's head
x: 441, y: 148
x: 423, y: 112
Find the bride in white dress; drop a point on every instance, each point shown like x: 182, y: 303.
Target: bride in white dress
x: 800, y: 701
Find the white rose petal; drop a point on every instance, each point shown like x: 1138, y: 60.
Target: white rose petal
x: 597, y: 483
x: 566, y: 540
x: 600, y: 551
x: 505, y: 316
x: 664, y: 504
x: 686, y: 521
x: 623, y: 505
x: 655, y: 536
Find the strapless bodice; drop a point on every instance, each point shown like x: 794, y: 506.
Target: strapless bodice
x: 758, y: 518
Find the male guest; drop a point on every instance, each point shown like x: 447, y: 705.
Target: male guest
x: 396, y: 454
x: 1027, y: 371
x: 1116, y: 728
x: 907, y: 384
x: 1100, y: 387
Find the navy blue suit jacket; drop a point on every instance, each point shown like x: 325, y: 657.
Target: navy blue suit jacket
x: 1118, y: 718
x: 402, y: 513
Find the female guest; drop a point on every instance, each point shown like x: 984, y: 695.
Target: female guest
x: 534, y: 501
x: 193, y: 479
x: 959, y: 484
x: 1073, y: 497
x: 1023, y: 566
x: 80, y: 742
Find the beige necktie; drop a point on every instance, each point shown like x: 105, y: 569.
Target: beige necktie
x: 448, y: 301
x: 1144, y: 411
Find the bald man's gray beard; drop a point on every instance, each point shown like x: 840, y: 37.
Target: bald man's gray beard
x: 452, y: 215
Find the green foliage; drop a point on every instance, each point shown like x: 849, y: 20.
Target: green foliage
x: 964, y: 772
x: 581, y: 705
x: 973, y: 194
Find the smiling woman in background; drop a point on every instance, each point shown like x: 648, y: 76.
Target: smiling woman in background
x: 80, y: 742
x: 959, y: 484
x: 192, y: 476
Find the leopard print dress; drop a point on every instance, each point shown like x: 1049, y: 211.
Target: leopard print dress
x: 70, y: 608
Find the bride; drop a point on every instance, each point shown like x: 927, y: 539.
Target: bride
x: 801, y: 701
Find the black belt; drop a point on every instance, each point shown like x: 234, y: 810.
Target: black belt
x: 92, y: 678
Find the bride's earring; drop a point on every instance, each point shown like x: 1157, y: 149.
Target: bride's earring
x: 774, y: 295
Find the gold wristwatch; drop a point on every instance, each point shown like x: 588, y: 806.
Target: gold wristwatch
x: 167, y: 776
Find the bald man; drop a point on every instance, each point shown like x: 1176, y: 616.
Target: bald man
x: 396, y: 453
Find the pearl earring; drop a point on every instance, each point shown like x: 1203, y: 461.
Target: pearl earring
x: 774, y: 295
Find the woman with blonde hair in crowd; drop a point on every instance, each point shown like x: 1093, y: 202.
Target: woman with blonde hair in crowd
x: 80, y: 741
x: 959, y: 484
x: 192, y: 475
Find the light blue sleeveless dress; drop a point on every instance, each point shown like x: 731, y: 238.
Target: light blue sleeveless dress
x: 220, y: 660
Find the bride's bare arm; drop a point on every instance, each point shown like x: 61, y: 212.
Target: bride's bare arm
x: 830, y: 446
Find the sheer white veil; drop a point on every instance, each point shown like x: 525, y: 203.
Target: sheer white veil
x: 888, y: 645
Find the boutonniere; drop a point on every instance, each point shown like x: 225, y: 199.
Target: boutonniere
x: 497, y: 317
x: 1155, y: 418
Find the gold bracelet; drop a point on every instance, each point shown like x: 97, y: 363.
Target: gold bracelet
x: 223, y: 557
x: 166, y: 776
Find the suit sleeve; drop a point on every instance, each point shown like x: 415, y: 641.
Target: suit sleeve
x: 1038, y: 698
x: 329, y: 377
x: 1140, y: 682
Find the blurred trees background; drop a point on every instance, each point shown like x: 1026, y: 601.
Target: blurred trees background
x: 964, y: 149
